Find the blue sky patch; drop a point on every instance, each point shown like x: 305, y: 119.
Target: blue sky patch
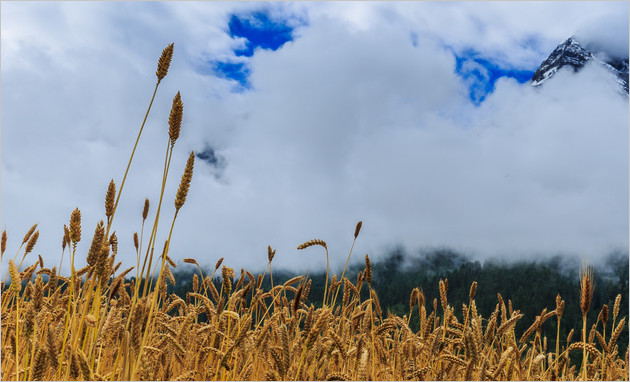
x: 480, y: 75
x: 258, y: 30
x: 234, y: 71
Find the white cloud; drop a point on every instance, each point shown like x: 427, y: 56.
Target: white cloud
x: 350, y: 121
x: 601, y: 32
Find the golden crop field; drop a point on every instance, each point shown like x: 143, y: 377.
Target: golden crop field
x: 95, y: 324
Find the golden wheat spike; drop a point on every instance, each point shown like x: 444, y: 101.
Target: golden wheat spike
x: 145, y: 209
x: 358, y: 228
x: 29, y: 233
x: 311, y: 243
x: 75, y: 226
x: 270, y: 253
x: 189, y: 260
x: 15, y: 279
x: 586, y: 289
x: 184, y: 185
x: 3, y: 243
x: 175, y: 118
x: 368, y: 269
x: 110, y: 198
x: 164, y: 62
x: 31, y: 242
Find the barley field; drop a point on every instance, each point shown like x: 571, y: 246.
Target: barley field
x: 96, y: 324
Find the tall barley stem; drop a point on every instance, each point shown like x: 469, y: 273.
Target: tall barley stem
x: 152, y: 238
x: 122, y: 184
x: 343, y: 272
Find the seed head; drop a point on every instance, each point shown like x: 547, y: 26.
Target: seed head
x: 39, y: 367
x: 586, y: 289
x: 227, y: 274
x: 270, y: 253
x: 218, y: 264
x: 559, y: 306
x: 15, y: 278
x: 175, y: 119
x: 113, y: 241
x: 311, y: 243
x: 31, y: 242
x: 110, y: 197
x: 136, y: 241
x: 616, y: 307
x: 180, y: 199
x: 145, y: 210
x: 604, y: 314
x: 191, y: 261
x: 368, y: 269
x: 29, y: 233
x: 473, y: 290
x: 97, y: 244
x: 164, y: 62
x: 75, y: 226
x: 195, y: 283
x: 358, y: 228
x: 66, y: 237
x: 413, y: 299
x: 3, y: 243
x: 443, y: 289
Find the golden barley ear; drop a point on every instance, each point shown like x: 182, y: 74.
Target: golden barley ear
x: 604, y: 314
x: 586, y: 289
x: 145, y: 210
x: 110, y: 197
x: 39, y: 367
x: 368, y: 269
x: 29, y: 233
x: 559, y: 306
x: 136, y: 241
x: 473, y: 290
x: 191, y: 261
x: 3, y: 243
x: 15, y: 279
x: 616, y: 307
x: 75, y: 226
x: 311, y: 243
x: 113, y: 241
x: 66, y: 237
x: 195, y: 283
x: 358, y: 228
x: 218, y: 264
x: 97, y: 244
x: 175, y: 118
x: 164, y: 62
x: 617, y: 332
x: 184, y: 185
x: 270, y: 253
x: 227, y: 273
x: 443, y: 289
x: 413, y: 298
x: 31, y: 242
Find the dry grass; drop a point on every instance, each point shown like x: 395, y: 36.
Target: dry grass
x: 96, y: 325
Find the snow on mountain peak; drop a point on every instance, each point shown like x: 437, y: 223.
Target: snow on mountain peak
x: 571, y: 53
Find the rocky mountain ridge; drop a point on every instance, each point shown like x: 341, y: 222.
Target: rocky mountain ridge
x: 572, y: 54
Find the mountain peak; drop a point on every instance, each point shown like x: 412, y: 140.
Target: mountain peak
x: 569, y: 53
x: 572, y: 53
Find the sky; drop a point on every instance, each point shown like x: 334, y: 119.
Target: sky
x: 415, y: 117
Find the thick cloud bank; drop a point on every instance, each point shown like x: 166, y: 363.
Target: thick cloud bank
x: 604, y: 32
x: 361, y: 116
